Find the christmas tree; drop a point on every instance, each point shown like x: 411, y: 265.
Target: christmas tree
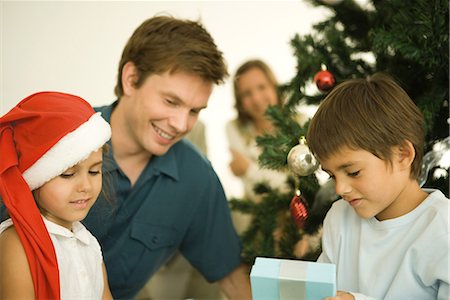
x: 408, y: 40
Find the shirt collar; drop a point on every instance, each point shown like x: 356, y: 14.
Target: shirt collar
x: 78, y: 231
x: 166, y: 164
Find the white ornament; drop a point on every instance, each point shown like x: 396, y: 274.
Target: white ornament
x: 300, y: 160
x: 331, y: 2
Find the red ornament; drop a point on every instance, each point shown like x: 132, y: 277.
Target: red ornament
x: 299, y: 210
x: 324, y: 80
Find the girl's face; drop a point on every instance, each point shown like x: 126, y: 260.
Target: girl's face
x: 68, y: 197
x: 256, y: 92
x: 369, y: 184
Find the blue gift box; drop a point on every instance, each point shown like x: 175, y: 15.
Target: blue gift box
x: 276, y: 278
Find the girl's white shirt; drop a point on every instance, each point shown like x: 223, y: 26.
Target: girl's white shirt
x: 79, y: 259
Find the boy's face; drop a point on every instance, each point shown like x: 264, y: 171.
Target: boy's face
x: 370, y: 185
x: 164, y: 109
x: 68, y: 197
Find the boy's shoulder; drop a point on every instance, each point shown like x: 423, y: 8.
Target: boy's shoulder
x: 438, y: 204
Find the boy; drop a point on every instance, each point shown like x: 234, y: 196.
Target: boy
x: 388, y: 237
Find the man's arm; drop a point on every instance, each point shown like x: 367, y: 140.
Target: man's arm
x: 236, y: 286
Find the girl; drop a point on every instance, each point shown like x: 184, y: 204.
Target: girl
x: 50, y: 176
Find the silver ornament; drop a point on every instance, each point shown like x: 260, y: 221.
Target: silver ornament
x: 301, y: 161
x: 438, y: 156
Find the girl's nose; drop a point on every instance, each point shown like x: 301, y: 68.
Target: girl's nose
x: 84, y: 184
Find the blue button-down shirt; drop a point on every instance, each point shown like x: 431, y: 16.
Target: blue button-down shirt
x: 177, y: 203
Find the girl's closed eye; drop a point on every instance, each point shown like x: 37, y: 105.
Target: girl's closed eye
x: 67, y: 174
x: 95, y: 172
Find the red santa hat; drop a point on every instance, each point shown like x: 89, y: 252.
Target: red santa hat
x: 40, y: 138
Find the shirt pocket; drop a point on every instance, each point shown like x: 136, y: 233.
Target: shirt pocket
x: 152, y: 237
x: 148, y: 247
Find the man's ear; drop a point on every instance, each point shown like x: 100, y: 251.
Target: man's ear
x: 405, y: 154
x: 129, y: 78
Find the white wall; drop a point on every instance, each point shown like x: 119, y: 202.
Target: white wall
x: 75, y: 47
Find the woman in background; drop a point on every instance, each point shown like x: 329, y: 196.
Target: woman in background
x: 255, y: 89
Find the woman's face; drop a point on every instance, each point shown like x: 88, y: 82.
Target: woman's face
x: 256, y: 92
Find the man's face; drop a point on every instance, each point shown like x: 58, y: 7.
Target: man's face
x: 164, y: 109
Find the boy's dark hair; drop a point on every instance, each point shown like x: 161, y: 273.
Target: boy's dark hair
x: 373, y: 114
x: 166, y: 44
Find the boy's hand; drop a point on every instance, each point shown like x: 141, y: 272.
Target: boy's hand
x: 341, y: 295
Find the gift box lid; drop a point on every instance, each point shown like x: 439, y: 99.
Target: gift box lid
x: 277, y: 278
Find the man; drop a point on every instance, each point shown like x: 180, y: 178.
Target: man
x: 165, y: 195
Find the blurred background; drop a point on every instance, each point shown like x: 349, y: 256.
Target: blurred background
x: 75, y: 47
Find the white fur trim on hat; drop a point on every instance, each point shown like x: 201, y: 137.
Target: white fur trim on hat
x: 73, y: 148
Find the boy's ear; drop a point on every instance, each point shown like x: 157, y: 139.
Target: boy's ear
x: 129, y: 77
x: 405, y: 154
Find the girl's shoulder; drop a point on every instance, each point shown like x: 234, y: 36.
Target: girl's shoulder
x: 13, y: 261
x: 5, y: 225
x: 10, y: 244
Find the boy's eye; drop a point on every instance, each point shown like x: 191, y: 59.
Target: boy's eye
x: 94, y: 172
x: 353, y: 174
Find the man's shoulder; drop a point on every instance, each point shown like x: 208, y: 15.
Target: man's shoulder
x: 185, y: 149
x: 190, y: 160
x: 105, y: 110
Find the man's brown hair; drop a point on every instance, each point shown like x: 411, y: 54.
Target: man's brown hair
x: 166, y: 44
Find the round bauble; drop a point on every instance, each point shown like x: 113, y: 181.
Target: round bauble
x: 324, y: 80
x: 301, y: 161
x: 299, y: 210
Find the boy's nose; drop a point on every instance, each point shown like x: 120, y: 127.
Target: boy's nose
x: 342, y: 187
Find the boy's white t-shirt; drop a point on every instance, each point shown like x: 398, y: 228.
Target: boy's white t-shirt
x: 402, y: 258
x: 79, y: 259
